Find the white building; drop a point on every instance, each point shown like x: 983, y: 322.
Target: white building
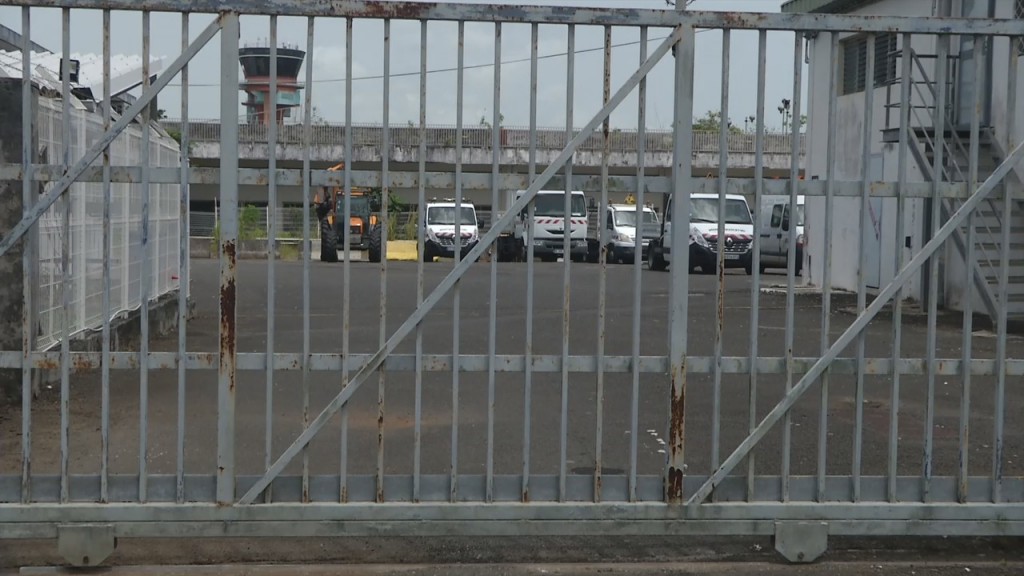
x: 883, y: 159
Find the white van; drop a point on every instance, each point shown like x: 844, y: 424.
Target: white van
x: 548, y: 225
x: 775, y: 223
x: 618, y: 230
x: 703, y: 243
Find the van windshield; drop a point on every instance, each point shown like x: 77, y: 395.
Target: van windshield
x: 445, y: 215
x: 706, y: 210
x: 554, y: 205
x: 628, y: 218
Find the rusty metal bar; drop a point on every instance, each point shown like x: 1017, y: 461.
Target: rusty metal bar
x: 385, y: 167
x: 680, y: 270
x: 723, y: 172
x: 228, y: 242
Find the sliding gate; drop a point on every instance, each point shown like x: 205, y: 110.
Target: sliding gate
x: 475, y: 397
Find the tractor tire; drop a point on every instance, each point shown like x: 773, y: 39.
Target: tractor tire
x: 328, y: 242
x: 375, y: 244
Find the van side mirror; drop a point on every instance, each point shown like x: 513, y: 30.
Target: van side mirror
x: 785, y: 222
x: 479, y: 222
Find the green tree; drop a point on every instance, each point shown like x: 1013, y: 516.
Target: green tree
x: 712, y: 122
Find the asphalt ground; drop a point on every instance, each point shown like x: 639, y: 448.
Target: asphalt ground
x: 326, y: 285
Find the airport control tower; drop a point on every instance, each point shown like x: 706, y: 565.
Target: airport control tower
x: 255, y: 61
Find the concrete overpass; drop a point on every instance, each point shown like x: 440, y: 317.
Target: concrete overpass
x: 328, y: 148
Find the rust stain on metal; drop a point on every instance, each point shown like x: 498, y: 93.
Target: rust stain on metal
x: 526, y: 496
x: 81, y: 364
x: 47, y: 364
x: 676, y: 433
x: 401, y: 10
x: 227, y: 310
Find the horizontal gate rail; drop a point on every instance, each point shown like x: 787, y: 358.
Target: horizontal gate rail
x: 378, y: 10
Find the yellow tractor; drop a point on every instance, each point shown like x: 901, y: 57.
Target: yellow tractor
x: 363, y: 231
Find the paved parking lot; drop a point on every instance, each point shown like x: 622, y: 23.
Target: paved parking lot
x: 326, y: 282
x: 326, y: 321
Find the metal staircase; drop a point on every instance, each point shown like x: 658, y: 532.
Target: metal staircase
x: 989, y: 220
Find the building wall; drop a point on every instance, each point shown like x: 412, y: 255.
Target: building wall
x: 883, y: 244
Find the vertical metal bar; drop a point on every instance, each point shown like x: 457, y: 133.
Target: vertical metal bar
x: 723, y: 182
x: 865, y: 224
x: 528, y: 239
x: 641, y: 152
x: 570, y: 71
x: 346, y: 288
x: 794, y: 183
x: 105, y: 368
x: 1004, y: 266
x: 755, y: 288
x: 492, y: 322
x: 421, y: 217
x: 27, y: 265
x: 307, y: 255
x: 183, y: 264
x: 603, y: 257
x: 897, y: 309
x: 65, y: 266
x: 826, y: 294
x: 272, y: 207
x: 385, y: 177
x: 146, y: 280
x: 977, y: 46
x: 458, y: 257
x: 680, y: 270
x: 938, y: 164
x: 228, y: 240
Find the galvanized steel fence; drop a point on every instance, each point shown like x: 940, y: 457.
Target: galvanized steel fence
x: 592, y: 418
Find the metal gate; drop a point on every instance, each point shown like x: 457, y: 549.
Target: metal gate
x: 515, y: 398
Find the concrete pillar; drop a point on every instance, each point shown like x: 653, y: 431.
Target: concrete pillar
x: 12, y: 297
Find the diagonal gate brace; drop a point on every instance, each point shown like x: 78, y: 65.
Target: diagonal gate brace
x: 104, y: 142
x: 787, y: 402
x: 485, y: 241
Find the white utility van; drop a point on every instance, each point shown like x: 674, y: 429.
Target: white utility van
x: 775, y: 223
x: 703, y: 241
x: 618, y: 230
x: 548, y: 225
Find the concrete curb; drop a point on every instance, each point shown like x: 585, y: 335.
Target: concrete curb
x: 605, y: 569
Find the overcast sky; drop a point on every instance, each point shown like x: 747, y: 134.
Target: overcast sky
x: 329, y: 65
